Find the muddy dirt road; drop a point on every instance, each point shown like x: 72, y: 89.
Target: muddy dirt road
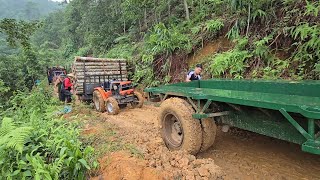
x: 235, y: 155
x: 245, y: 155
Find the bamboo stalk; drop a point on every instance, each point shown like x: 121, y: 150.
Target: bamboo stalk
x: 99, y: 64
x: 92, y: 73
x: 88, y: 59
x: 100, y: 70
x: 79, y: 77
x: 81, y: 81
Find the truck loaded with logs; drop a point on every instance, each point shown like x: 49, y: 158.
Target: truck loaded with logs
x: 105, y: 82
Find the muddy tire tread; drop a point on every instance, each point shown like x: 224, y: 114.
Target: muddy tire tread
x: 115, y: 105
x: 192, y: 128
x: 140, y: 98
x: 209, y: 131
x: 102, y: 105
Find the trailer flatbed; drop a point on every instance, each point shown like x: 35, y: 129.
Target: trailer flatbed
x: 287, y: 110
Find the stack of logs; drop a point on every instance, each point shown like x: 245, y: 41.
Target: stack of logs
x: 88, y: 66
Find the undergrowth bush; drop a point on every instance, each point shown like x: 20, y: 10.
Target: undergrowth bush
x: 167, y: 40
x: 121, y: 51
x: 156, y: 53
x: 3, y: 91
x: 307, y: 46
x: 36, y: 144
x: 144, y: 71
x: 206, y: 31
x: 271, y: 67
x: 230, y: 64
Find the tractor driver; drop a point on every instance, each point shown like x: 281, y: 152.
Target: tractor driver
x: 195, y: 74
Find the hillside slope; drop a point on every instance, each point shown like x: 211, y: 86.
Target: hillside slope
x: 270, y: 39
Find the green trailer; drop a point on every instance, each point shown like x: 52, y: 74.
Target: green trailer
x: 286, y: 110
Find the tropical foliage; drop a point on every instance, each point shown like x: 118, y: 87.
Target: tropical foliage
x: 270, y: 39
x: 157, y: 35
x: 36, y: 144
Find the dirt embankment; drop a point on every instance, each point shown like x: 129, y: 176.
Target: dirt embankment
x: 235, y: 155
x: 219, y: 45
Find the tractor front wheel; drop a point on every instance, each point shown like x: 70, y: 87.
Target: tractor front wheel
x: 179, y: 130
x: 98, y: 102
x: 112, y: 106
x: 140, y: 98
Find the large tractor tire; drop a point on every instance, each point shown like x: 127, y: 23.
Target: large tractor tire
x: 140, y: 98
x: 98, y: 102
x: 209, y: 131
x: 178, y: 129
x: 112, y: 106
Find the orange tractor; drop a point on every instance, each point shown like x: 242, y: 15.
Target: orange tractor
x: 113, y: 95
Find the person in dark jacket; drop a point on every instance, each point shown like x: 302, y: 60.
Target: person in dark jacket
x: 195, y: 74
x: 50, y: 76
x: 59, y: 85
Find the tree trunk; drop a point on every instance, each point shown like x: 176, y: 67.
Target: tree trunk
x: 248, y: 21
x: 186, y: 8
x: 124, y: 27
x: 169, y: 7
x: 155, y: 12
x: 145, y: 17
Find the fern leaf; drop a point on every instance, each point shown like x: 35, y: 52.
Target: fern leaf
x: 7, y: 125
x: 18, y: 137
x: 13, y: 137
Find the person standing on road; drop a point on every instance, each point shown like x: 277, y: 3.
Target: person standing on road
x: 50, y: 76
x: 58, y: 85
x: 66, y: 88
x: 195, y: 74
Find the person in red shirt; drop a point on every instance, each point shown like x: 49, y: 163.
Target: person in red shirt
x: 66, y: 88
x: 67, y: 82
